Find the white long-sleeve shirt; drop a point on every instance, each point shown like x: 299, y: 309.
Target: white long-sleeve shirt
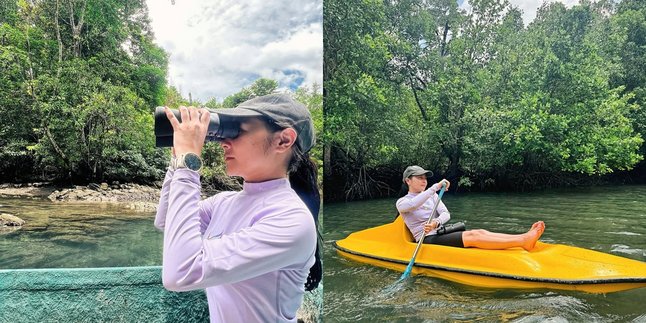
x: 417, y: 207
x: 251, y: 250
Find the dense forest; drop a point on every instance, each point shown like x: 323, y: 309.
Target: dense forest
x: 79, y: 80
x: 480, y: 98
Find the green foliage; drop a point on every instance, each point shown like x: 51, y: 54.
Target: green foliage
x: 173, y: 99
x: 260, y: 87
x: 78, y: 81
x: 478, y: 97
x: 312, y: 98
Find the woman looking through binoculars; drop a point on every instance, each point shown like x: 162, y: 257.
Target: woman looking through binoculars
x: 251, y: 250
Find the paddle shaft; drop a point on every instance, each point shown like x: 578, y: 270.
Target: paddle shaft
x: 421, y: 240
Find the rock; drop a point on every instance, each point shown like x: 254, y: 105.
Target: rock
x: 142, y: 206
x: 104, y: 186
x: 5, y: 185
x: 94, y: 186
x: 83, y: 193
x: 10, y: 220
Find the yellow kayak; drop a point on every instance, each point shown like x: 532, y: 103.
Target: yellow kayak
x: 552, y: 266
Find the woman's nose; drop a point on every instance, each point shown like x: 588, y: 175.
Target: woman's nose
x: 225, y: 144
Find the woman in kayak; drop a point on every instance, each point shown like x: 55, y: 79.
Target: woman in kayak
x: 251, y: 250
x: 416, y: 206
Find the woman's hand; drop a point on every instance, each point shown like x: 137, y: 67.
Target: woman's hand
x: 428, y: 227
x: 189, y: 135
x: 444, y: 181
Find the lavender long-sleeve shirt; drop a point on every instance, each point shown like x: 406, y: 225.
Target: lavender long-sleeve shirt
x: 251, y: 250
x: 417, y: 207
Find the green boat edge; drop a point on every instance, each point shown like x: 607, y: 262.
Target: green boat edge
x: 110, y: 294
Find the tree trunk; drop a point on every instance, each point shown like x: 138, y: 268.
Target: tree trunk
x: 76, y: 28
x: 55, y: 145
x: 444, y: 36
x: 419, y: 104
x: 60, y: 42
x: 327, y: 161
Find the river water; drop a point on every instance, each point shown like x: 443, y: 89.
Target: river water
x: 608, y: 219
x: 58, y: 235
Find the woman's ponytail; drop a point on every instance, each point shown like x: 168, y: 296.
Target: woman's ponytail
x: 303, y: 179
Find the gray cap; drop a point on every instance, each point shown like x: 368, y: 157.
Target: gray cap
x: 414, y: 170
x: 283, y: 110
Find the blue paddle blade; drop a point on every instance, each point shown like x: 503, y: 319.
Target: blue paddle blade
x: 407, y: 271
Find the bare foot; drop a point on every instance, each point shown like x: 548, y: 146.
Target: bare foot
x: 533, y: 235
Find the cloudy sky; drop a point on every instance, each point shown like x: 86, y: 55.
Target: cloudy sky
x: 529, y: 7
x: 217, y: 47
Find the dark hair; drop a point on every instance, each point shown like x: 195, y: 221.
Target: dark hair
x: 303, y: 176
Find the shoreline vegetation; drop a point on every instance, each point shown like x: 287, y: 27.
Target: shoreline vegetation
x: 481, y: 97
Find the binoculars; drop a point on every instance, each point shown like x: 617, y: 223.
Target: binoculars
x: 220, y: 127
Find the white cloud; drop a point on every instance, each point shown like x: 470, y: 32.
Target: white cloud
x: 530, y: 7
x: 218, y: 47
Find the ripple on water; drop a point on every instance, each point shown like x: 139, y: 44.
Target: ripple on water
x: 640, y: 319
x: 625, y: 233
x: 620, y: 248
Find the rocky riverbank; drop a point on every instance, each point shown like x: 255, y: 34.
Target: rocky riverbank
x: 133, y: 196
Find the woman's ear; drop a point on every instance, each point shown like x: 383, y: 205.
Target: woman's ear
x: 285, y: 139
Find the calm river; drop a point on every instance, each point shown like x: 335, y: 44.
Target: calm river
x: 61, y: 235
x: 611, y: 219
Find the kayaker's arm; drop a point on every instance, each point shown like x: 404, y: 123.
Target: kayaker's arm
x: 407, y: 205
x: 444, y: 216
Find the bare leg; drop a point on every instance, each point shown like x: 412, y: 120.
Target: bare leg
x: 490, y: 240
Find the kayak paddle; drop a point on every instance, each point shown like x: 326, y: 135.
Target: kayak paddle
x: 419, y: 243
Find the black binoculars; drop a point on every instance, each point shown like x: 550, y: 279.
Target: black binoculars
x: 220, y: 127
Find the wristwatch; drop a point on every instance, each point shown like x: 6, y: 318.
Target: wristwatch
x: 189, y: 160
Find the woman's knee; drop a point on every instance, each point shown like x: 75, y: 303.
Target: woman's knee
x: 474, y: 234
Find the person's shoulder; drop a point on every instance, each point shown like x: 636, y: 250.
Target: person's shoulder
x: 287, y: 203
x: 403, y: 198
x: 226, y: 194
x: 222, y: 196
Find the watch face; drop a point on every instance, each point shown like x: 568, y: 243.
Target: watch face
x: 192, y: 161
